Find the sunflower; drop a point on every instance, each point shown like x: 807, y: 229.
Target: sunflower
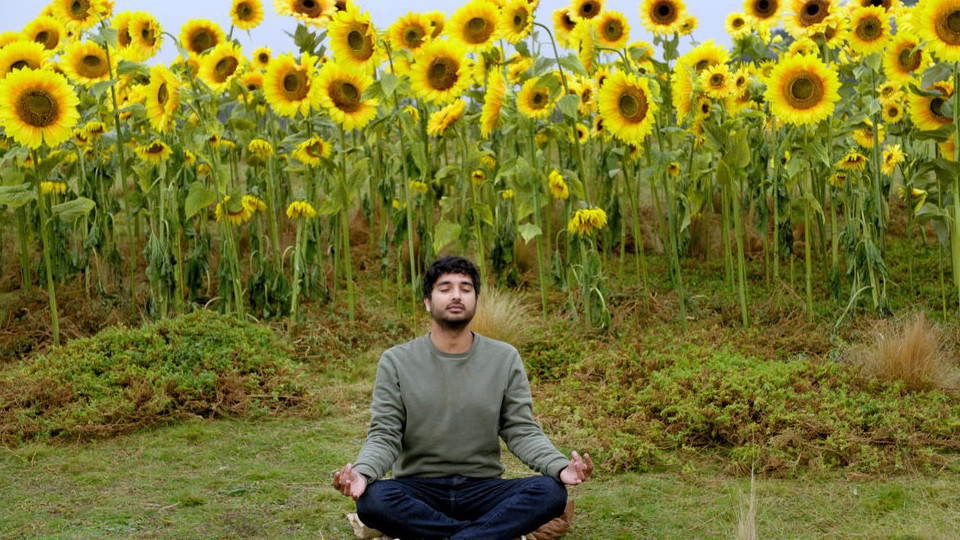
x: 534, y: 101
x: 437, y: 21
x: 687, y: 25
x: 475, y: 25
x: 313, y: 12
x: 478, y: 176
x: 903, y: 59
x: 441, y: 71
x: 587, y: 94
x: 563, y: 24
x: 864, y: 135
x: 155, y: 152
x: 162, y: 98
x: 418, y: 186
x: 233, y: 211
x: 705, y: 55
x: 869, y: 29
x: 121, y: 23
x: 199, y: 35
x: 353, y: 40
x: 892, y: 156
x: 802, y: 90
x: 507, y: 194
x: 558, y: 186
x: 887, y: 5
x: 688, y: 69
x: 737, y: 26
x: 765, y: 13
x: 410, y: 32
x: 587, y: 220
x: 341, y: 93
x: 805, y: 16
x: 221, y: 65
x: 85, y: 62
x: 853, y: 161
x: 441, y: 120
x: 79, y: 15
x: 585, y: 9
x: 626, y: 106
x: 938, y: 23
x: 246, y: 14
x: 260, y: 148
x: 663, y: 17
x: 53, y: 188
x: 717, y: 81
x: 948, y: 148
x: 926, y: 111
x: 838, y: 179
x: 517, y: 68
x: 492, y: 102
x: 581, y: 39
x: 312, y: 151
x: 37, y: 107
x: 301, y: 209
x: 291, y: 88
x: 146, y: 36
x: 891, y: 112
x: 251, y: 81
x: 516, y: 23
x: 612, y: 29
x: 22, y: 54
x: 46, y: 31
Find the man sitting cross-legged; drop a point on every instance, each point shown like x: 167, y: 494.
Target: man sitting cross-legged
x: 440, y: 404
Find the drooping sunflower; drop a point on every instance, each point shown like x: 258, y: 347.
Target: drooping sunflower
x: 737, y: 26
x: 37, y: 107
x: 437, y: 20
x: 53, y: 188
x: 441, y: 120
x: 199, y: 35
x: 410, y: 32
x: 534, y: 100
x: 341, y: 94
x: 563, y: 24
x: 475, y: 25
x: 516, y: 23
x: 79, y: 15
x: 853, y: 161
x: 353, y: 40
x: 926, y: 111
x: 154, y: 152
x: 903, y: 59
x: 46, y: 31
x: 864, y: 135
x: 312, y: 151
x: 687, y: 71
x: 587, y: 95
x: 764, y: 13
x: 313, y: 12
x: 162, y: 98
x: 717, y: 81
x: 581, y: 40
x: 585, y: 9
x: 253, y: 203
x: 802, y: 90
x: 869, y: 29
x: 805, y: 16
x: 938, y: 23
x: 558, y: 186
x: 121, y: 23
x: 492, y: 102
x: 625, y: 103
x: 260, y: 147
x: 892, y: 156
x: 301, y: 209
x: 146, y: 36
x: 21, y: 54
x: 246, y: 14
x: 233, y: 211
x: 441, y: 71
x: 663, y: 17
x: 290, y: 87
x: 587, y: 220
x: 221, y: 65
x: 85, y: 62
x: 613, y: 30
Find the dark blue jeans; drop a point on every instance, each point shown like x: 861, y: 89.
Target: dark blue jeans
x: 460, y: 508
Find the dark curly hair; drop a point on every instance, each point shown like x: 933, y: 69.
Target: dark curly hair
x: 450, y: 265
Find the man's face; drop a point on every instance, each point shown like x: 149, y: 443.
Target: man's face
x: 453, y: 301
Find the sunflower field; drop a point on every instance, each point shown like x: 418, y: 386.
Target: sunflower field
x: 238, y: 178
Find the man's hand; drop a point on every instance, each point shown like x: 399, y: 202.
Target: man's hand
x: 352, y: 484
x: 578, y: 470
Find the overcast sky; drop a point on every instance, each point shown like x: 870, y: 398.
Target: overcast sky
x: 172, y: 14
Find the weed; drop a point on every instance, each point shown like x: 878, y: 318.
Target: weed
x: 503, y: 315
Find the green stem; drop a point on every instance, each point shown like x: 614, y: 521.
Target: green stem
x: 45, y: 237
x: 345, y: 227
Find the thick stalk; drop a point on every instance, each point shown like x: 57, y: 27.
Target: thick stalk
x: 345, y: 227
x: 45, y: 237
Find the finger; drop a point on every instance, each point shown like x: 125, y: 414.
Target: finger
x: 336, y: 480
x: 589, y: 462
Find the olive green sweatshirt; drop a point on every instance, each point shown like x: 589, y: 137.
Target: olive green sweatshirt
x: 437, y: 414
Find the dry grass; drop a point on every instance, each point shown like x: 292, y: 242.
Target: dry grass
x: 747, y: 518
x: 502, y: 315
x: 912, y: 350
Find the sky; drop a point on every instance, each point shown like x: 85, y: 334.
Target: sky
x: 172, y: 14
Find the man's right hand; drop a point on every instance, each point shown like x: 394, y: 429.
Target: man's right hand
x: 349, y: 482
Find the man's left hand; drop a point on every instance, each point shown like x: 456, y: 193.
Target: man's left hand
x: 579, y: 469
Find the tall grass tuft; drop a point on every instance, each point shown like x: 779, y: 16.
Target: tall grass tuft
x: 747, y: 518
x: 912, y: 350
x: 502, y: 315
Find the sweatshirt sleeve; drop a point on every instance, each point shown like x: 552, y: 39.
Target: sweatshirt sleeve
x: 517, y: 428
x: 387, y: 422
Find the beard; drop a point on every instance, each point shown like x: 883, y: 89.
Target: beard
x: 458, y: 322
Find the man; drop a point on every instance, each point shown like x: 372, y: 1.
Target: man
x: 440, y: 404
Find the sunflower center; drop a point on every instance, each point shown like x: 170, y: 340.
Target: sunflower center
x: 244, y: 11
x: 613, y: 30
x: 345, y: 96
x: 310, y: 8
x: 519, y: 20
x: 909, y: 59
x: 148, y: 35
x: 764, y: 9
x: 42, y: 37
x: 91, y: 66
x: 226, y: 67
x: 79, y: 9
x: 813, y: 12
x: 163, y: 94
x: 947, y: 26
x: 202, y: 40
x: 296, y: 85
x: 539, y: 98
x: 263, y: 58
x: 703, y: 64
x: 804, y: 91
x: 19, y: 64
x: 869, y: 29
x: 664, y: 13
x: 716, y: 80
x: 442, y: 73
x: 37, y: 108
x: 738, y: 23
x: 478, y: 30
x: 155, y: 148
x: 633, y: 105
x: 315, y: 149
x: 413, y: 36
x: 936, y: 108
x: 589, y: 10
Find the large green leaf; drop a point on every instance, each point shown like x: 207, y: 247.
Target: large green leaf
x: 444, y: 233
x: 529, y: 231
x: 17, y: 196
x: 198, y: 198
x: 71, y: 210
